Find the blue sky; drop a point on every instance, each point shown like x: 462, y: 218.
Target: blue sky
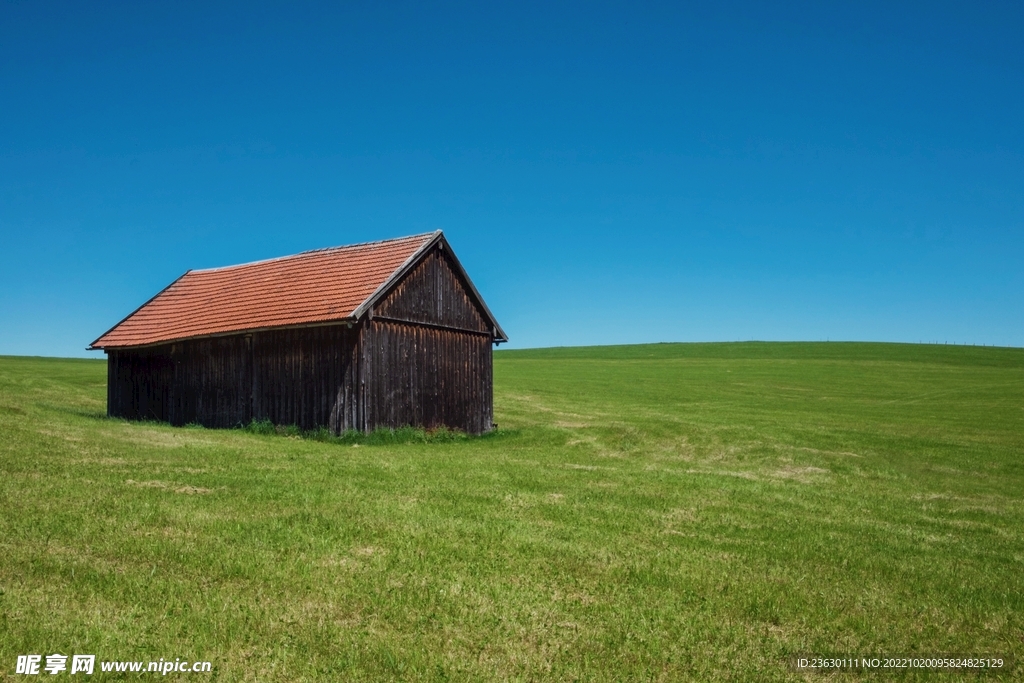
x: 607, y: 173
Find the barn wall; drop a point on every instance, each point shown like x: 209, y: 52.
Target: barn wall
x: 139, y: 383
x: 426, y: 354
x: 427, y: 377
x: 306, y: 377
x: 211, y: 382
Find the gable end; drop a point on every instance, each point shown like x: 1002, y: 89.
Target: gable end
x: 434, y: 293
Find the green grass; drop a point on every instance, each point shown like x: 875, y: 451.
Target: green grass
x: 663, y: 512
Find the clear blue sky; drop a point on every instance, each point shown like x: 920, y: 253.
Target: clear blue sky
x: 607, y: 173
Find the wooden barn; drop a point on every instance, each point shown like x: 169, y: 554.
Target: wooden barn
x: 384, y: 334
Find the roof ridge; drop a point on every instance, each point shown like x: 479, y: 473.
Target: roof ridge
x: 314, y: 251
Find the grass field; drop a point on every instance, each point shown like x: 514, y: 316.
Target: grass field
x: 663, y: 512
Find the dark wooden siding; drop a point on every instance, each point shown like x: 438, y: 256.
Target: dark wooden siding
x: 428, y: 377
x: 139, y: 383
x: 212, y: 379
x: 306, y: 377
x: 433, y: 293
x: 427, y: 354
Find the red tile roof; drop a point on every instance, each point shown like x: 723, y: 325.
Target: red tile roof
x: 311, y: 287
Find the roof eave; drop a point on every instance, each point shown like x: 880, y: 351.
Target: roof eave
x: 228, y: 333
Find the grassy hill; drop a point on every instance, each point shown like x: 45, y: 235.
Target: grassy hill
x: 657, y: 512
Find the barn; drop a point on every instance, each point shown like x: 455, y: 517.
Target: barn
x: 377, y: 335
